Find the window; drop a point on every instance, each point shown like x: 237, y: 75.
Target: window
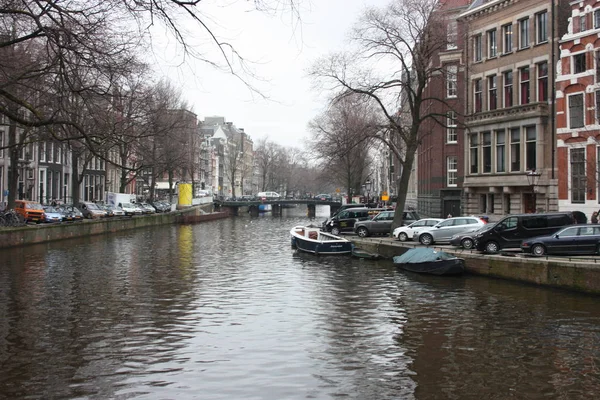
x: 451, y: 134
x: 477, y: 48
x: 1, y: 149
x: 50, y: 152
x: 524, y: 33
x: 474, y: 153
x: 492, y: 44
x: 579, y: 63
x: 596, y: 19
x: 583, y: 23
x: 597, y: 107
x: 477, y: 95
x: 597, y: 66
x: 507, y: 39
x: 524, y: 72
x: 576, y: 110
x: 578, y: 178
x: 451, y: 81
x: 43, y: 152
x: 515, y: 150
x: 508, y: 89
x: 530, y: 148
x: 487, y: 152
x: 500, y: 151
x: 452, y: 170
x: 542, y: 72
x: 451, y: 35
x: 541, y: 27
x: 492, y: 93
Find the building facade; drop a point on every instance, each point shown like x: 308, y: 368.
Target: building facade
x: 578, y: 105
x: 510, y: 125
x: 441, y: 152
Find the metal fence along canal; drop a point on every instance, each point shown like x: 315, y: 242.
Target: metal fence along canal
x: 227, y: 310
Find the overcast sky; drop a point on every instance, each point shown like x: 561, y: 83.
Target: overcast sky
x: 282, y: 52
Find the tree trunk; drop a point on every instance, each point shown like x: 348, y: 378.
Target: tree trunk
x: 75, y: 178
x: 403, y: 185
x: 13, y: 171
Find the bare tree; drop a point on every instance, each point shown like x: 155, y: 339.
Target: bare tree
x: 403, y: 37
x: 341, y: 141
x: 267, y: 154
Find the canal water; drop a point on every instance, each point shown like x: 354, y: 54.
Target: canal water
x: 227, y: 310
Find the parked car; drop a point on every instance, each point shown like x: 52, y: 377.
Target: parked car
x: 443, y: 231
x: 146, y: 208
x: 52, y: 214
x: 130, y: 209
x: 512, y: 230
x: 466, y: 240
x: 570, y: 240
x: 267, y: 196
x: 323, y: 197
x: 404, y: 233
x: 161, y: 206
x: 91, y: 210
x: 345, y: 220
x: 31, y: 211
x: 381, y: 224
x: 115, y: 211
x: 72, y: 212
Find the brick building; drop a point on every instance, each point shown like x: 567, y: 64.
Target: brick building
x: 440, y: 153
x: 577, y: 104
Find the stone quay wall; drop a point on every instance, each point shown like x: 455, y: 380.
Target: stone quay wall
x: 582, y: 275
x: 32, y: 234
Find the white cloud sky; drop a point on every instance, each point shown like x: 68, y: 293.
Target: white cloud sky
x: 282, y: 52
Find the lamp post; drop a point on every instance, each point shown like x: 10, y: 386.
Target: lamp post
x: 533, y: 178
x: 368, y: 188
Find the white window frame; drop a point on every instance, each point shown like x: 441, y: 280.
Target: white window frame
x: 569, y: 97
x: 452, y: 81
x: 524, y: 33
x: 507, y: 45
x: 492, y: 43
x: 452, y: 35
x: 541, y: 27
x: 451, y: 127
x: 452, y: 171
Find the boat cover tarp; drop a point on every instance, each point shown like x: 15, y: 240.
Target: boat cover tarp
x: 422, y: 254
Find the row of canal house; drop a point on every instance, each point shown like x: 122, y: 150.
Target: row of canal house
x: 504, y: 63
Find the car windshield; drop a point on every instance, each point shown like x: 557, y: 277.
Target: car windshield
x: 34, y: 206
x: 92, y: 206
x: 126, y: 205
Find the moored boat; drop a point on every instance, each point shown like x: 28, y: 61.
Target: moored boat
x: 365, y: 255
x: 311, y: 239
x: 426, y: 260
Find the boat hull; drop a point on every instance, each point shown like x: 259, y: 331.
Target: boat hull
x: 319, y: 243
x: 455, y: 266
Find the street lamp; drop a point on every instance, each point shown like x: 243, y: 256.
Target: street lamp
x: 368, y: 188
x: 533, y: 178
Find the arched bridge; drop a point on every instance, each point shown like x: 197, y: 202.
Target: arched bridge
x: 276, y: 205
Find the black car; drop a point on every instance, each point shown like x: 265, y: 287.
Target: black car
x: 570, y: 240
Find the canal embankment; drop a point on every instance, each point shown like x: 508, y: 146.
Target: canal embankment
x: 34, y: 233
x: 577, y: 274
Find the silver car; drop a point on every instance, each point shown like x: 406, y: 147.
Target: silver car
x: 443, y: 231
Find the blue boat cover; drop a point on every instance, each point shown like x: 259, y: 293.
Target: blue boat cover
x: 422, y: 254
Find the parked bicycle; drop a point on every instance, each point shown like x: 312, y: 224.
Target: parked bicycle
x: 11, y: 218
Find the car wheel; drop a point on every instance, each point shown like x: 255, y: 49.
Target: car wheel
x: 538, y: 250
x: 403, y: 237
x: 335, y: 230
x: 426, y: 239
x: 491, y: 247
x: 467, y: 243
x: 362, y: 232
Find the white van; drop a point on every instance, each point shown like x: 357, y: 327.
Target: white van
x: 267, y: 196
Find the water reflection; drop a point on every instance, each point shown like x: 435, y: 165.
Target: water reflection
x: 227, y: 310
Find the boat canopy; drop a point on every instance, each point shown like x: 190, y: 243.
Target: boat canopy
x: 422, y: 254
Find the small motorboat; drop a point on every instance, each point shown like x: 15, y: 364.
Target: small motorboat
x: 311, y: 239
x: 365, y: 255
x: 426, y: 260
